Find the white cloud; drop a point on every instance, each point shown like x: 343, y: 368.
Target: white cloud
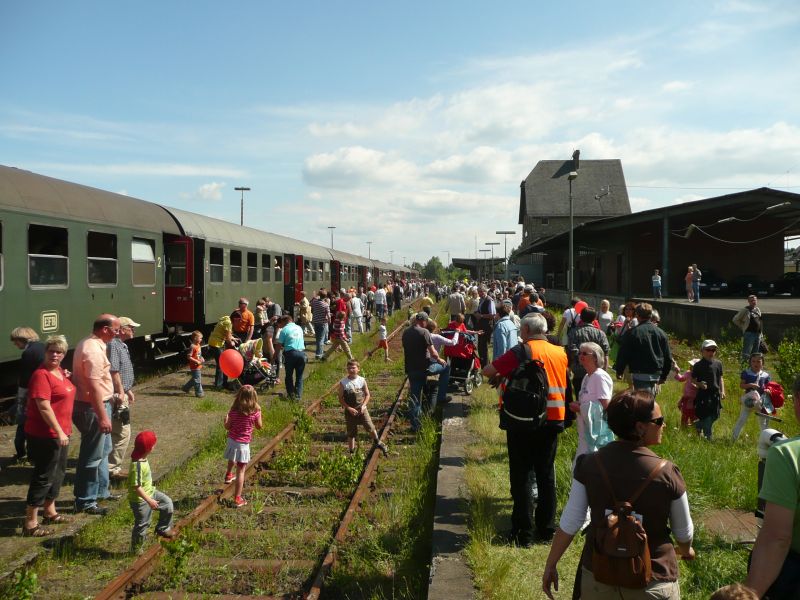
x: 210, y: 191
x: 676, y: 86
x: 355, y: 166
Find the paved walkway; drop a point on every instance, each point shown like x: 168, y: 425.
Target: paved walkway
x: 450, y: 577
x: 736, y: 526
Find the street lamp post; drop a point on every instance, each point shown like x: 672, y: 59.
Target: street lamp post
x: 241, y: 205
x: 484, y: 250
x: 492, y: 244
x: 391, y: 256
x: 331, y: 227
x: 505, y: 235
x: 571, y: 272
x: 448, y: 258
x: 369, y: 250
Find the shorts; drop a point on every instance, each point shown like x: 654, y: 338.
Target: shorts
x: 383, y: 344
x: 353, y: 421
x: 238, y: 452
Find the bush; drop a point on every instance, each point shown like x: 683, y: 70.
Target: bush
x: 788, y: 358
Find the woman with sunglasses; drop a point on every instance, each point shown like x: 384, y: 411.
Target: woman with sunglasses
x: 596, y: 389
x: 707, y: 377
x: 51, y: 396
x: 636, y: 420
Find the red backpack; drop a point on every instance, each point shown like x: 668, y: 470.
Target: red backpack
x: 775, y: 393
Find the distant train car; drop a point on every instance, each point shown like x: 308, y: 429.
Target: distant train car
x: 70, y: 252
x: 214, y: 262
x: 352, y: 270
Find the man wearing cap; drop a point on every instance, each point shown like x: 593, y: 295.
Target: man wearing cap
x: 244, y: 321
x: 122, y: 375
x: 645, y: 351
x: 91, y: 374
x: 421, y: 360
x: 707, y: 378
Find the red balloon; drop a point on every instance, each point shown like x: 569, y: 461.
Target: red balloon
x: 231, y: 363
x: 579, y: 307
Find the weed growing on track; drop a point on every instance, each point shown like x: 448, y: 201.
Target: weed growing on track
x: 387, y: 554
x: 719, y: 475
x: 23, y: 586
x: 340, y: 470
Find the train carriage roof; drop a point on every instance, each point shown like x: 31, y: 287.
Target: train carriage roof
x: 224, y: 232
x: 27, y: 192
x: 351, y: 259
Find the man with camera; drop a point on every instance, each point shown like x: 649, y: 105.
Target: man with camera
x: 122, y: 376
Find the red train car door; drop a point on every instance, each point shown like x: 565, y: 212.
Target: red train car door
x: 362, y: 276
x: 336, y: 276
x: 178, y: 280
x: 292, y: 280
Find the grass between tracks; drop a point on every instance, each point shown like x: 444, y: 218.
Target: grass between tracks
x: 719, y: 474
x: 79, y: 566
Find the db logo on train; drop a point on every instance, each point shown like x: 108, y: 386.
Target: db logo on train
x: 49, y: 321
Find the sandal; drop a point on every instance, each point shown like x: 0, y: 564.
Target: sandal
x: 59, y: 518
x: 36, y: 532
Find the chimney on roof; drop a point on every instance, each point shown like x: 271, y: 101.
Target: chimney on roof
x: 576, y: 159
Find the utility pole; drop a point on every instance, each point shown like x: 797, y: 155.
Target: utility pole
x: 241, y: 205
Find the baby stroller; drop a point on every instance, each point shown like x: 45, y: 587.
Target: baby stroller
x: 465, y: 366
x: 257, y: 371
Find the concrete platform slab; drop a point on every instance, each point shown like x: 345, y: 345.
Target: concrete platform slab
x: 450, y: 577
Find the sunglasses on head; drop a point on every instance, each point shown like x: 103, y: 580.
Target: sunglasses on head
x: 710, y: 349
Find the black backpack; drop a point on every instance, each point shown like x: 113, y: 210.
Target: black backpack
x: 524, y: 406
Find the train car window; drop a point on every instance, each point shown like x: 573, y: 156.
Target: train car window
x: 143, y: 269
x: 252, y: 267
x: 236, y: 266
x: 175, y: 265
x: 278, y: 265
x: 326, y: 267
x: 266, y: 267
x: 48, y: 256
x: 101, y: 258
x: 313, y: 270
x: 216, y: 264
x: 307, y: 270
x: 2, y: 272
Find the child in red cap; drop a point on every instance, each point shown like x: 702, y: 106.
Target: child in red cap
x: 143, y: 496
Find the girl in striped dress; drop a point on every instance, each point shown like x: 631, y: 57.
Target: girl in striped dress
x: 244, y: 415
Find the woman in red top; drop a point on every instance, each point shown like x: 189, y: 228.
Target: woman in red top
x: 47, y: 429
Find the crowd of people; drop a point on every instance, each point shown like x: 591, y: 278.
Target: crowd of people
x: 614, y: 476
x: 610, y: 476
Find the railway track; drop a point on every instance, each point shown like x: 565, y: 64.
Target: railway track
x: 304, y: 490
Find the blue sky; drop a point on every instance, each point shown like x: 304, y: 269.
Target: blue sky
x: 408, y: 125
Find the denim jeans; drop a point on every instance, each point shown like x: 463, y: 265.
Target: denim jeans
x: 103, y: 473
x: 220, y: 379
x: 294, y: 362
x: 141, y: 517
x: 657, y: 291
x: 90, y: 456
x: 750, y: 344
x: 320, y: 334
x: 416, y: 382
x: 696, y: 290
x: 196, y: 382
x: 704, y: 425
x: 380, y: 311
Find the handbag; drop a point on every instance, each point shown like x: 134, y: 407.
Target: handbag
x: 762, y: 345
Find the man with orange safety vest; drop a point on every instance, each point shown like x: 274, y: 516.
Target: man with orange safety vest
x: 534, y: 452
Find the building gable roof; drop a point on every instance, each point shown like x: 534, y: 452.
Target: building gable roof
x: 599, y: 190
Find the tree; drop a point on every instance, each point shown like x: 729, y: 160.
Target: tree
x: 434, y: 269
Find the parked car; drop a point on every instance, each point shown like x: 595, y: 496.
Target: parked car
x: 788, y: 285
x: 744, y: 285
x: 712, y: 284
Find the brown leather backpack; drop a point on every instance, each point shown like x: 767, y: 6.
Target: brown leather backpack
x: 621, y: 556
